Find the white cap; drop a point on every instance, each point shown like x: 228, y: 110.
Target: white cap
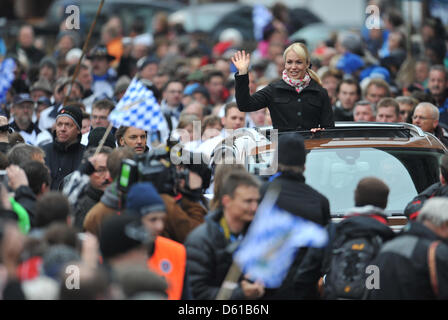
x: 231, y: 34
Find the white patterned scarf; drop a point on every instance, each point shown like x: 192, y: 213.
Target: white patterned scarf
x: 298, y: 84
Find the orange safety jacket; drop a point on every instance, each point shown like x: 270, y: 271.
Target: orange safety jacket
x: 169, y: 260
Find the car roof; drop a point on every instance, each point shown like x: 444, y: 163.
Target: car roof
x: 365, y: 135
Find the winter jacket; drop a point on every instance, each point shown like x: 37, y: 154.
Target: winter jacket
x: 209, y: 257
x: 299, y: 198
x: 435, y: 190
x: 86, y: 201
x: 182, y: 217
x: 26, y: 197
x: 403, y: 266
x: 289, y: 110
x: 316, y: 263
x: 108, y: 205
x: 341, y: 114
x: 62, y: 160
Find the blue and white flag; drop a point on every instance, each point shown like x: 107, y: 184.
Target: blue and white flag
x: 261, y: 16
x: 275, y: 235
x: 138, y: 108
x: 7, y: 76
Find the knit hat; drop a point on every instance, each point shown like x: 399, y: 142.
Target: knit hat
x: 371, y: 191
x: 350, y: 63
x: 56, y: 257
x: 291, y: 149
x: 95, y: 136
x: 73, y: 113
x: 143, y: 199
x: 120, y: 234
x: 143, y: 62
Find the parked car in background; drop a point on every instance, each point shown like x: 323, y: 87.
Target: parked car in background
x: 402, y: 155
x: 213, y: 18
x: 128, y: 10
x: 316, y: 33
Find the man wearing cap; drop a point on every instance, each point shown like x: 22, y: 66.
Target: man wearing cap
x: 295, y: 197
x: 169, y: 257
x: 22, y: 111
x: 41, y: 88
x: 61, y: 90
x: 124, y: 242
x: 148, y: 68
x: 64, y: 154
x: 104, y: 77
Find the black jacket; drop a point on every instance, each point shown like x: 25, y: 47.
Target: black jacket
x: 209, y: 257
x: 413, y: 208
x: 62, y: 160
x: 86, y: 201
x: 299, y: 198
x: 341, y: 114
x: 289, y: 109
x: 404, y: 268
x: 302, y: 200
x: 317, y: 260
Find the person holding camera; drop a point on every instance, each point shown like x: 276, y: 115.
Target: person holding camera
x: 187, y: 209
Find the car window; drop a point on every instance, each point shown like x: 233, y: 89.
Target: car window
x: 129, y: 14
x: 336, y: 172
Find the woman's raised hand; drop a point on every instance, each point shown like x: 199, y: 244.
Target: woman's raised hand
x: 241, y: 60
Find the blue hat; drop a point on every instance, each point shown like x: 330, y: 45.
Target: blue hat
x: 143, y: 199
x: 22, y: 97
x: 350, y: 63
x: 375, y: 72
x: 190, y: 88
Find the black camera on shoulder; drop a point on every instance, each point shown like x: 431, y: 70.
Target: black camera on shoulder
x: 155, y: 167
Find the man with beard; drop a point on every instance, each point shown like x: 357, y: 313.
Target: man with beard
x: 22, y: 111
x: 64, y: 154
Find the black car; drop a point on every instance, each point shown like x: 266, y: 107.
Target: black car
x: 213, y: 18
x: 128, y: 10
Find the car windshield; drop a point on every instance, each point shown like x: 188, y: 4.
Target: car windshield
x: 336, y: 172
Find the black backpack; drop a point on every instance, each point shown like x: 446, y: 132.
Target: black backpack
x: 346, y: 269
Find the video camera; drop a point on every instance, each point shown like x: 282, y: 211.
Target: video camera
x: 155, y: 167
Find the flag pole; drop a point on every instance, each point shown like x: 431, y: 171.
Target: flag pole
x: 230, y: 282
x: 103, y: 139
x: 86, y: 43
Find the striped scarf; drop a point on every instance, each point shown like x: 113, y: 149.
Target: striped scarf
x: 298, y: 84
